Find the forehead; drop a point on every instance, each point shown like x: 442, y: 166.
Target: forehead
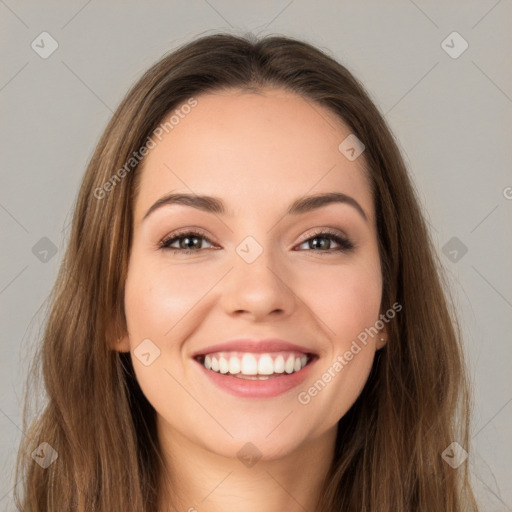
x: 253, y: 150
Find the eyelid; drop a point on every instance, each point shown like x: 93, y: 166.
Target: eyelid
x: 199, y: 231
x: 339, y: 237
x: 346, y: 243
x: 185, y: 231
x: 323, y: 230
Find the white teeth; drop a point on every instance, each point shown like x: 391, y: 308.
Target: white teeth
x: 279, y: 364
x: 258, y: 365
x: 265, y: 365
x: 223, y: 365
x: 249, y: 365
x: 288, y: 367
x: 234, y: 365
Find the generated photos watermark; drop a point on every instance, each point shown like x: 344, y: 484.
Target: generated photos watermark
x: 305, y: 397
x: 137, y: 156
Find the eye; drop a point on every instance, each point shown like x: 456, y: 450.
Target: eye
x: 322, y: 240
x: 192, y: 241
x: 188, y: 242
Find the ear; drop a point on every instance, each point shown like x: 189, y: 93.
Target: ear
x: 381, y: 338
x: 120, y: 343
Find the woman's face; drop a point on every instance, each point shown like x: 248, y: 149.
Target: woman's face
x: 257, y: 291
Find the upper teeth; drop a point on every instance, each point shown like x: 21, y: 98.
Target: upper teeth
x: 255, y: 364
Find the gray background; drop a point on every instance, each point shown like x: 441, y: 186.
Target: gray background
x: 452, y: 117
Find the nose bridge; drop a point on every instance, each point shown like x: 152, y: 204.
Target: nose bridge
x: 257, y: 283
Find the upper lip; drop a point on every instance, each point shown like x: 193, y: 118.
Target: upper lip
x: 255, y: 346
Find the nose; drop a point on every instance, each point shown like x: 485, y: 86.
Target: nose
x: 258, y: 289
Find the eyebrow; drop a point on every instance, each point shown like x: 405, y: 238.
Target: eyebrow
x: 215, y: 205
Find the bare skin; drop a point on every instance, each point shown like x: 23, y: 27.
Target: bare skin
x: 258, y: 153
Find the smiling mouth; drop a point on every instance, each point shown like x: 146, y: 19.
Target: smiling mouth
x: 255, y: 366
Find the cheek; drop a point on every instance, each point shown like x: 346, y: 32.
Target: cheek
x: 157, y: 298
x: 345, y: 300
x: 156, y: 305
x: 333, y: 391
x: 348, y: 304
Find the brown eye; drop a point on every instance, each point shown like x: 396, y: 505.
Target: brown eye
x: 188, y: 242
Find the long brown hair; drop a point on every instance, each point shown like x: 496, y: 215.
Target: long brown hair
x: 388, y: 455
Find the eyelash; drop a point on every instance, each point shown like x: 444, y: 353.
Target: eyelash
x: 345, y: 244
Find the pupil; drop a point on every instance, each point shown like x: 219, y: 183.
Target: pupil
x: 322, y: 245
x: 186, y: 241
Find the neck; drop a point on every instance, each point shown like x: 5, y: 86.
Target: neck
x: 199, y: 480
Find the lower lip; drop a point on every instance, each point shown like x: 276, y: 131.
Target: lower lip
x: 268, y: 388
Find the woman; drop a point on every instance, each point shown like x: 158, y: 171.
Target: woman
x: 250, y: 313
